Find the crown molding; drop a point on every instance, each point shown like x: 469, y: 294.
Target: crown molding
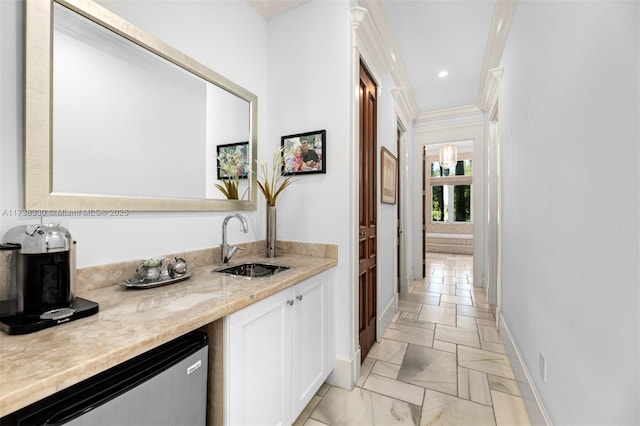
x: 272, y: 8
x: 402, y: 107
x: 446, y: 126
x: 369, y: 43
x: 448, y: 132
x: 400, y: 77
x: 397, y: 68
x: 503, y: 14
x: 462, y: 112
x: 375, y: 41
x: 469, y: 115
x: 492, y: 85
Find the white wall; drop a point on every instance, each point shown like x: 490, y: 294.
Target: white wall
x: 228, y: 36
x: 571, y: 206
x: 8, y: 75
x: 309, y: 89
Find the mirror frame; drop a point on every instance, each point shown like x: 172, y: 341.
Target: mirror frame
x: 38, y: 114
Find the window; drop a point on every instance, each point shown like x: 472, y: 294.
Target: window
x: 451, y: 192
x: 463, y: 168
x: 451, y: 203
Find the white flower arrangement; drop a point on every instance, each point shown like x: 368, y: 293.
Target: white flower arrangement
x: 272, y: 186
x: 231, y: 164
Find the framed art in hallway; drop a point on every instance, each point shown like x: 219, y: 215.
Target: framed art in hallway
x: 304, y: 153
x: 388, y: 176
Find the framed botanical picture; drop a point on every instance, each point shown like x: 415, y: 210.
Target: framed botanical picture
x: 388, y: 176
x: 304, y: 153
x: 233, y: 160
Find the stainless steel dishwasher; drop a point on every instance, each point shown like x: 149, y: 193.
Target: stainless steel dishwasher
x: 164, y: 386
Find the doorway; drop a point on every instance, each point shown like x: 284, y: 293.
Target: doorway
x: 367, y: 232
x: 449, y: 190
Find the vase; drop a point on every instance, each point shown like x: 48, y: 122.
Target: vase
x: 271, y: 231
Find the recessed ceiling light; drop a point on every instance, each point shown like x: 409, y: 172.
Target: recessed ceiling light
x: 443, y: 74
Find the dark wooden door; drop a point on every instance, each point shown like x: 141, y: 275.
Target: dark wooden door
x: 368, y: 210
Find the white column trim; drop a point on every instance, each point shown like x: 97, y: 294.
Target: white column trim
x: 492, y: 89
x: 380, y: 52
x: 346, y: 371
x: 369, y: 43
x: 503, y: 14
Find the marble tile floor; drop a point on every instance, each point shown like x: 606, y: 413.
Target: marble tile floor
x: 440, y: 362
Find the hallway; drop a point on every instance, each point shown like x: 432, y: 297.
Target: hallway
x: 441, y: 361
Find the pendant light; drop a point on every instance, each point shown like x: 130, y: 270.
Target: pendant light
x: 448, y: 156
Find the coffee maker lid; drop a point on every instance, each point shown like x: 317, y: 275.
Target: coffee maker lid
x: 38, y: 239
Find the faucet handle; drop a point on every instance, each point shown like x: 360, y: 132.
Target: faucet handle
x: 232, y: 251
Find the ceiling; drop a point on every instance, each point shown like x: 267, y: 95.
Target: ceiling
x: 431, y: 36
x: 437, y: 35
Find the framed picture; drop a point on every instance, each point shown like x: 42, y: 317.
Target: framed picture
x: 388, y: 176
x: 304, y: 153
x: 233, y: 155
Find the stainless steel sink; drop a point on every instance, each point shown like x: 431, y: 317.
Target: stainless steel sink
x: 252, y: 270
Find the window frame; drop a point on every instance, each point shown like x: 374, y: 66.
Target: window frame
x: 453, y: 181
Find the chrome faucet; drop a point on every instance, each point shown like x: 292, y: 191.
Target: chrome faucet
x: 227, y: 251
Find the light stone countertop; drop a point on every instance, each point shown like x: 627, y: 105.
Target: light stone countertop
x: 130, y: 322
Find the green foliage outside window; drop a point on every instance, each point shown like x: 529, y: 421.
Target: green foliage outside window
x: 437, y: 211
x: 441, y: 208
x: 462, y: 203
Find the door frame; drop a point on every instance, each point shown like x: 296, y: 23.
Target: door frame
x: 494, y: 214
x: 403, y: 285
x: 373, y: 206
x: 364, y: 49
x: 494, y: 186
x: 369, y: 47
x: 472, y: 128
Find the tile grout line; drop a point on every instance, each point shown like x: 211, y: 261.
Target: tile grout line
x: 449, y: 265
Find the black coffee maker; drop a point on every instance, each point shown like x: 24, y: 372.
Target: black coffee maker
x: 38, y: 279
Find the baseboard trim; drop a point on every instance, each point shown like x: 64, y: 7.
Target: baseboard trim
x: 346, y: 371
x: 408, y: 282
x: 385, y: 318
x: 532, y: 401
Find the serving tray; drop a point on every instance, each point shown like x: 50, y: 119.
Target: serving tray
x: 134, y: 282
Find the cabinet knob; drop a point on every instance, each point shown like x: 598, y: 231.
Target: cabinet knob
x: 290, y: 302
x: 299, y: 297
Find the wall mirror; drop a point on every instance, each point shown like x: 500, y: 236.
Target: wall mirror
x: 117, y: 119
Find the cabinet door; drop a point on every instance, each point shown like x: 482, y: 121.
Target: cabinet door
x: 310, y: 338
x: 258, y: 363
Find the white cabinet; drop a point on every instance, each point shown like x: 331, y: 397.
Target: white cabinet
x: 258, y: 363
x: 277, y: 355
x: 310, y: 353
